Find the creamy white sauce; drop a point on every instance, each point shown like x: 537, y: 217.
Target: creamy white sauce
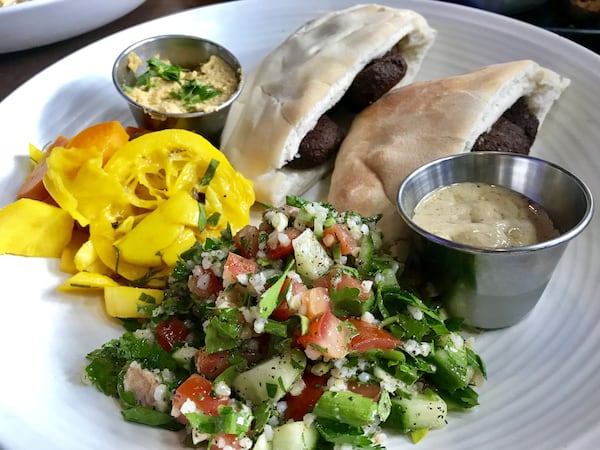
x: 483, y: 215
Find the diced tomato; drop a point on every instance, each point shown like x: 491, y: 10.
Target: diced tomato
x: 298, y: 287
x: 371, y: 336
x: 348, y: 281
x: 246, y: 241
x: 315, y: 302
x: 204, y: 283
x: 211, y: 365
x: 197, y: 389
x: 226, y: 441
x: 170, y: 331
x: 339, y: 233
x: 279, y: 247
x: 370, y: 390
x: 338, y: 280
x: 283, y: 310
x: 299, y: 405
x: 327, y: 336
x: 237, y: 265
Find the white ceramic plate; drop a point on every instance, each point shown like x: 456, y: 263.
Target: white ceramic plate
x: 543, y: 390
x: 40, y: 22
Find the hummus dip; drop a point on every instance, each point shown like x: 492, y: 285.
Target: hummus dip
x: 202, y: 89
x: 483, y: 215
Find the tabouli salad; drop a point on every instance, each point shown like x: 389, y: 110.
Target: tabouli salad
x: 295, y: 333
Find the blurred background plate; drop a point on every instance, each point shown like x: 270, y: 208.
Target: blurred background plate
x: 40, y: 22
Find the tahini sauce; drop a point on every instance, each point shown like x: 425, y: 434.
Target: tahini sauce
x: 483, y: 215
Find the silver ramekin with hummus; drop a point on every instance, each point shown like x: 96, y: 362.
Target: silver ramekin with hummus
x: 178, y: 81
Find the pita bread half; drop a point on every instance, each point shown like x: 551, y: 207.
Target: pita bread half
x: 416, y: 124
x: 307, y: 74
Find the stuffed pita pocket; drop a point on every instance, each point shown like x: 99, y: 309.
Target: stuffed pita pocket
x: 416, y: 124
x: 289, y: 93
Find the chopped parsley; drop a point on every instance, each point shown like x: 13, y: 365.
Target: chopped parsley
x: 257, y: 333
x: 193, y: 92
x: 161, y: 69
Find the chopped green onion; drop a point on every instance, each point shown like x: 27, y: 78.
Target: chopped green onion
x: 210, y: 172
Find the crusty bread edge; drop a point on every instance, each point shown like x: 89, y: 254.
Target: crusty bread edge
x: 371, y: 194
x: 260, y: 147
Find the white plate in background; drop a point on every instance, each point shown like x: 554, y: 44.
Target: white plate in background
x: 33, y: 23
x: 543, y: 389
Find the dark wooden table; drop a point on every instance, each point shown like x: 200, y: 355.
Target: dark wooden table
x: 17, y: 67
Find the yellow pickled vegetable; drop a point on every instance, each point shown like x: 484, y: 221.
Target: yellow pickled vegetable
x: 35, y: 154
x: 140, y: 203
x: 103, y: 236
x: 87, y: 259
x: 171, y: 177
x: 129, y: 302
x: 146, y: 201
x: 157, y: 165
x: 34, y: 228
x: 184, y: 241
x: 143, y: 245
x: 77, y: 181
x: 85, y: 256
x: 67, y: 257
x: 87, y: 281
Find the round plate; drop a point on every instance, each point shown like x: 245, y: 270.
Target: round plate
x: 40, y: 22
x: 543, y: 389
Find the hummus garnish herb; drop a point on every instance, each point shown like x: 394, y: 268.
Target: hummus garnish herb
x: 193, y: 92
x: 158, y: 68
x: 171, y: 88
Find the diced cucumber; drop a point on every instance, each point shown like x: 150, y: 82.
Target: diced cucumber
x: 364, y: 260
x: 292, y: 435
x: 388, y: 270
x: 452, y: 367
x: 262, y: 443
x: 312, y: 260
x: 295, y: 435
x: 389, y: 380
x: 418, y: 435
x: 346, y: 407
x: 229, y: 374
x: 184, y: 356
x: 426, y: 410
x: 272, y: 379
